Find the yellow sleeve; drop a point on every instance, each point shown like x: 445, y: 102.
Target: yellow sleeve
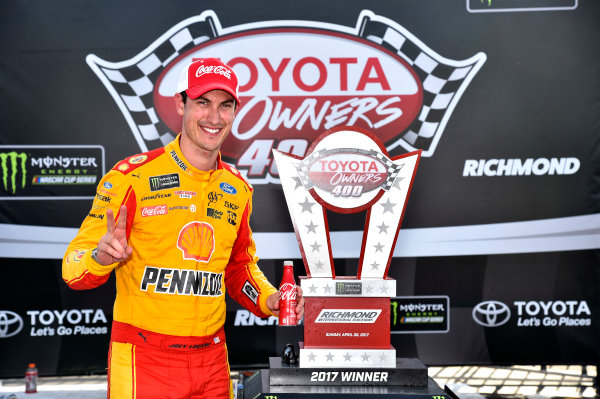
x: 79, y: 270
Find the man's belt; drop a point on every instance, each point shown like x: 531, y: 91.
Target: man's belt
x: 126, y: 333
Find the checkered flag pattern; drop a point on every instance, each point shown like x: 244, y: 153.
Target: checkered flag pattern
x: 132, y: 82
x: 443, y: 81
x: 304, y: 166
x: 392, y: 169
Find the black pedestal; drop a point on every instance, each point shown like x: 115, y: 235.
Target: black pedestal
x: 408, y: 372
x: 408, y: 380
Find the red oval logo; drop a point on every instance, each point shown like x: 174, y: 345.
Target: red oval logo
x: 347, y: 174
x: 296, y: 83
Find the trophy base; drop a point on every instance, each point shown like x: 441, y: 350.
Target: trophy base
x: 408, y: 380
x: 406, y: 372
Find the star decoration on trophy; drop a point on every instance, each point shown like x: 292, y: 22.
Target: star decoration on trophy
x: 347, y: 170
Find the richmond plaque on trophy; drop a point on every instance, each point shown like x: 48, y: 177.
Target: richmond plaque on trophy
x: 347, y: 318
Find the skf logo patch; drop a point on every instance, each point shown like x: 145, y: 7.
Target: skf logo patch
x: 196, y: 241
x: 375, y: 75
x: 231, y: 206
x: 251, y: 292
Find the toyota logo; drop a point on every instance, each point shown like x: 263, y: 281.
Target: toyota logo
x: 491, y: 313
x: 10, y: 323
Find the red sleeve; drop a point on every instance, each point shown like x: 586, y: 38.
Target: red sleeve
x: 244, y: 280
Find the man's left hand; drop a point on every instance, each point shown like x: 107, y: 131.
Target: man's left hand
x: 273, y: 303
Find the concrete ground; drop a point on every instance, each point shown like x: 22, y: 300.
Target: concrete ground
x: 468, y: 382
x: 74, y: 387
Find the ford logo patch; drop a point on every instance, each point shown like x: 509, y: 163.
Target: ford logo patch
x: 228, y: 188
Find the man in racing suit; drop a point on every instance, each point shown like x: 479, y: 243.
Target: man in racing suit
x: 180, y: 239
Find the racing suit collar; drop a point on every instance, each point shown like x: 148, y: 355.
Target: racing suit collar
x: 174, y: 150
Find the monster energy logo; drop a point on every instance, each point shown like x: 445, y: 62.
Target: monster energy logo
x: 14, y: 157
x: 423, y: 310
x: 394, y: 312
x: 164, y: 181
x: 347, y: 288
x: 419, y: 314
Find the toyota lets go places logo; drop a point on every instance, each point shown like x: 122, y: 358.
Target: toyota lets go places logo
x: 491, y: 313
x: 10, y: 323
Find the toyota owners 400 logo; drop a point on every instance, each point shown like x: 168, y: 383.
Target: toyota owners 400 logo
x: 10, y: 323
x: 491, y: 314
x: 297, y: 79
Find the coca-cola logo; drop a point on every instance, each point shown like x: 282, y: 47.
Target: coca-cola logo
x: 219, y: 70
x: 154, y: 210
x: 288, y: 292
x: 296, y: 80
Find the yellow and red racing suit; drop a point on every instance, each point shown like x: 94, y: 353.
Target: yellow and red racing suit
x: 192, y: 242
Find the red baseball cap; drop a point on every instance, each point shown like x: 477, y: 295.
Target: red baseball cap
x: 205, y: 75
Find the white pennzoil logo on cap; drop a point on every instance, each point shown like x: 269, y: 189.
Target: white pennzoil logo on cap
x: 296, y: 80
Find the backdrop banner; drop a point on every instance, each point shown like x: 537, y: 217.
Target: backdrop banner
x: 497, y: 258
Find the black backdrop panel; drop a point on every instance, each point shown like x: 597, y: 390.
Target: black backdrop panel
x: 501, y: 228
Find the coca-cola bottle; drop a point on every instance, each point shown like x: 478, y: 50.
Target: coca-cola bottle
x: 288, y: 296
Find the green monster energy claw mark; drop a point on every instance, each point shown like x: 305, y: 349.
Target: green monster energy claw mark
x: 14, y: 157
x: 394, y: 311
